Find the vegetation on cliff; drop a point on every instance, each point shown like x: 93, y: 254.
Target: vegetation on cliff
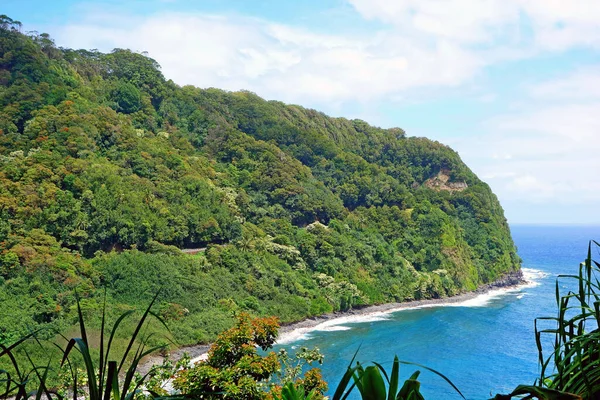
x: 107, y: 170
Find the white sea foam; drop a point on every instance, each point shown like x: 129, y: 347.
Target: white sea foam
x: 532, y: 278
x: 168, y: 384
x: 486, y: 298
x: 335, y: 328
x: 294, y: 336
x: 335, y: 324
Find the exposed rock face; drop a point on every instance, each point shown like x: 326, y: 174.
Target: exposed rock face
x: 441, y: 182
x: 459, y: 186
x: 510, y: 279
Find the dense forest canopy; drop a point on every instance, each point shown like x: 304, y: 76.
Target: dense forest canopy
x: 108, y: 170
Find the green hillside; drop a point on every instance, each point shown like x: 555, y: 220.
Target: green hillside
x: 107, y: 170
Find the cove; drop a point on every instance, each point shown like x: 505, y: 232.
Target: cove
x: 484, y: 345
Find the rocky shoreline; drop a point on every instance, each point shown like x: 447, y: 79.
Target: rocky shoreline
x: 289, y: 331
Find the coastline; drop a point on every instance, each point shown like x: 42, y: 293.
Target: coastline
x: 296, y: 330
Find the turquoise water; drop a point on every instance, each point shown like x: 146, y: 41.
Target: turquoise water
x: 485, y: 346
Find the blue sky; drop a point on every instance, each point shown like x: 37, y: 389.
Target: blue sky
x: 512, y: 85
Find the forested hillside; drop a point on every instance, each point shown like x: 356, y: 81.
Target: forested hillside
x: 107, y: 170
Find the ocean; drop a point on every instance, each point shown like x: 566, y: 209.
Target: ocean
x: 485, y: 345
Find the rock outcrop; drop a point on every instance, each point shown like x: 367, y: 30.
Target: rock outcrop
x: 442, y: 182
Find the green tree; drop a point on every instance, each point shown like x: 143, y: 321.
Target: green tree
x: 127, y: 97
x: 234, y: 369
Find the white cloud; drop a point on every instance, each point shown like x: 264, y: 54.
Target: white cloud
x: 533, y: 185
x: 581, y: 86
x: 571, y: 124
x: 556, y: 24
x: 277, y: 61
x: 562, y: 24
x: 546, y: 153
x: 428, y: 44
x: 466, y: 21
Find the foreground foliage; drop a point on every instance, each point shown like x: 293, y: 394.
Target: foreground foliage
x: 234, y: 369
x: 571, y: 369
x: 576, y: 335
x: 95, y: 374
x: 370, y: 383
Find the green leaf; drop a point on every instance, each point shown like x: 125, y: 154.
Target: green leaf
x: 373, y: 386
x: 343, y: 385
x: 393, y: 389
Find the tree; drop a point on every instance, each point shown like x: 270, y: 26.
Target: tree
x: 234, y: 369
x: 128, y: 98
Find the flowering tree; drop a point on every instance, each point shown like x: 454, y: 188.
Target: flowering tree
x: 234, y: 369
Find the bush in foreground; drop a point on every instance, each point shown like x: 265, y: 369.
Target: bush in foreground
x: 234, y: 368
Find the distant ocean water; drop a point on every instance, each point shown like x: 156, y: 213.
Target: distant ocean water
x: 485, y: 345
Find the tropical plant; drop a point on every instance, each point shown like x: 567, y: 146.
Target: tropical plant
x: 235, y: 369
x: 290, y: 392
x: 293, y: 365
x: 15, y: 383
x: 105, y: 378
x: 158, y: 380
x: 571, y: 370
x: 371, y: 384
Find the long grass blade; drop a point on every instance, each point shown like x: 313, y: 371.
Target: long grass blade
x: 101, y: 365
x: 133, y: 367
x: 89, y: 366
x: 137, y: 331
x: 110, y: 382
x: 393, y: 389
x: 113, y: 332
x: 67, y: 351
x: 373, y: 386
x: 8, y: 381
x: 341, y: 387
x: 81, y: 321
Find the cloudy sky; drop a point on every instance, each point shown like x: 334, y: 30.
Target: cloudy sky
x: 512, y: 85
